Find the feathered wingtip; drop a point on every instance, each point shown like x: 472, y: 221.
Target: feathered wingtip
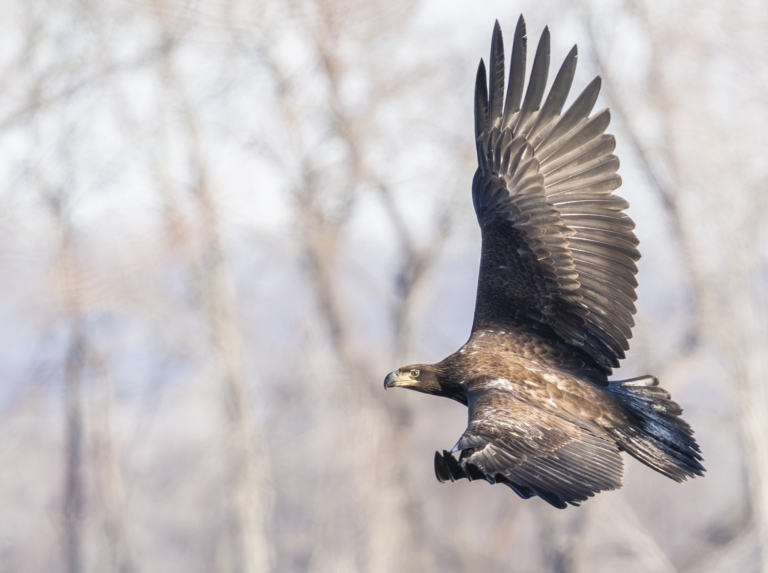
x: 447, y: 468
x: 491, y: 107
x: 516, y: 72
x: 481, y: 107
x: 489, y: 91
x: 496, y: 75
x: 536, y: 85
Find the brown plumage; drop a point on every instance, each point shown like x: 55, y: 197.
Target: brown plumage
x: 555, y: 300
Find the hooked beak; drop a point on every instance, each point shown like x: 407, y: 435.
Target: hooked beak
x: 391, y: 380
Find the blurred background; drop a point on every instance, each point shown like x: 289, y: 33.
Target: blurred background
x: 223, y: 222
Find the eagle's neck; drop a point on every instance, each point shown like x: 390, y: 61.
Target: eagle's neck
x: 452, y: 379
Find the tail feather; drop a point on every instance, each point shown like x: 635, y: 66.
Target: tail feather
x: 659, y: 437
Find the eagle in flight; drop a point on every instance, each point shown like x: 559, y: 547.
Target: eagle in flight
x: 555, y: 300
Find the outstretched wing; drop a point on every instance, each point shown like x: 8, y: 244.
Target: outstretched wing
x: 558, y: 254
x: 560, y: 455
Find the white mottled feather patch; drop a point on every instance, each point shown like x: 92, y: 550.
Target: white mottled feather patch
x: 501, y: 383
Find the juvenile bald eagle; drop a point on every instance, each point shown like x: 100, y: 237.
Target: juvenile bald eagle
x: 554, y: 302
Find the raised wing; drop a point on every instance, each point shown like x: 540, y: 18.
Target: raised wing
x: 558, y: 253
x: 560, y: 455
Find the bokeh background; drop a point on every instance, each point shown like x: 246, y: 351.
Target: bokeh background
x: 222, y: 222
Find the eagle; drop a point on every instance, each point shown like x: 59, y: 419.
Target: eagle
x: 555, y: 300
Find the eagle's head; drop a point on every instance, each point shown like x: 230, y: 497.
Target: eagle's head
x: 419, y: 377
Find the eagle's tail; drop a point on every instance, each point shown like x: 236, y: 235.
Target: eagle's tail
x: 659, y: 437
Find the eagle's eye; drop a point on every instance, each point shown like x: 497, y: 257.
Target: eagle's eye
x: 414, y: 373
